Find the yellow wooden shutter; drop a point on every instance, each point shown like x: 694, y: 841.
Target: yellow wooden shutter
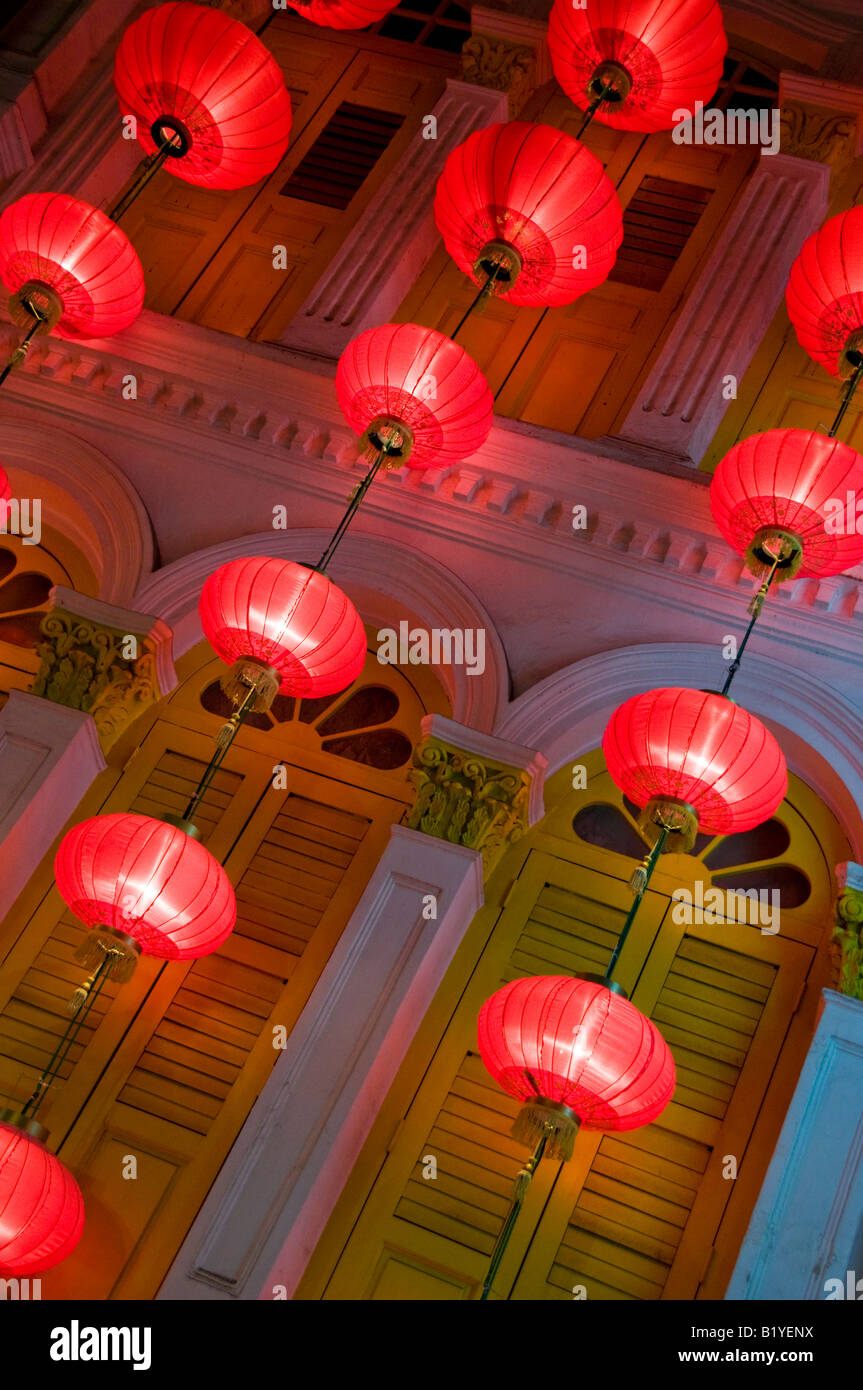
x: 631, y: 1216
x: 167, y: 1066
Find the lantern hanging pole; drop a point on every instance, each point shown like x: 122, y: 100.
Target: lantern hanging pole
x: 152, y: 165
x: 605, y: 90
x: 850, y: 387
x: 91, y: 989
x: 224, y: 739
x: 482, y: 294
x: 755, y: 608
x: 353, y: 506
x: 522, y: 1183
x: 26, y: 342
x: 642, y: 877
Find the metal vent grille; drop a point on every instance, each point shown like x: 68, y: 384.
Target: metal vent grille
x: 657, y: 223
x: 343, y: 156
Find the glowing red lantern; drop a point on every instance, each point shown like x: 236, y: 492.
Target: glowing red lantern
x: 204, y: 81
x: 697, y: 753
x: 73, y: 263
x: 825, y: 292
x: 662, y: 56
x: 149, y: 881
x: 287, y: 618
x: 791, y: 486
x: 5, y: 490
x: 534, y: 204
x: 575, y: 1052
x: 41, y: 1207
x: 343, y: 14
x: 418, y: 387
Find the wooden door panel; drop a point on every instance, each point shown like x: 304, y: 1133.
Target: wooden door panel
x: 167, y: 1066
x: 727, y: 988
x: 559, y: 918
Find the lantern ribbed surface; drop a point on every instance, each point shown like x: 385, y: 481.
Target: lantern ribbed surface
x: 343, y: 14
x: 41, y: 1207
x: 289, y: 617
x: 798, y: 481
x: 79, y: 253
x: 825, y: 289
x: 539, y: 191
x: 196, y: 66
x: 578, y: 1044
x: 422, y: 379
x: 671, y: 49
x: 149, y: 880
x: 699, y: 748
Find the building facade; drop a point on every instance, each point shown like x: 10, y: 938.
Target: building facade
x: 304, y: 1113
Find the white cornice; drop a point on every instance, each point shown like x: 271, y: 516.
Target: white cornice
x: 255, y: 411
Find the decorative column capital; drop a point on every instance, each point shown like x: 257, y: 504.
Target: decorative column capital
x: 109, y: 662
x: 820, y: 120
x: 847, y: 939
x: 473, y: 789
x: 507, y: 53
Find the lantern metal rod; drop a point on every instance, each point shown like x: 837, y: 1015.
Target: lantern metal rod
x: 755, y: 608
x: 352, y: 508
x: 152, y: 165
x: 850, y: 387
x: 522, y: 1183
x: 482, y: 293
x: 25, y: 344
x: 93, y: 985
x: 594, y: 106
x: 646, y: 871
x: 226, y: 736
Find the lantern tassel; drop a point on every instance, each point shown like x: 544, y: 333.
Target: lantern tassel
x: 555, y: 1123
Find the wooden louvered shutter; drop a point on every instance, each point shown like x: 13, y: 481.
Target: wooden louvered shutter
x: 168, y: 1065
x: 631, y: 1216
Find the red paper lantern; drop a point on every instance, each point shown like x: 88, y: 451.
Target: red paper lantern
x: 41, y: 1207
x: 148, y: 880
x: 416, y: 380
x: 794, y: 481
x: 533, y: 190
x: 342, y: 14
x: 664, y: 54
x: 5, y: 490
x: 553, y: 1041
x: 49, y: 241
x: 191, y: 72
x: 288, y: 617
x: 698, y: 748
x: 825, y: 292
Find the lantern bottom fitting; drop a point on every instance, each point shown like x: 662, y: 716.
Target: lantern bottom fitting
x: 31, y: 1128
x: 46, y: 302
x: 764, y: 547
x: 669, y: 813
x: 103, y: 942
x: 178, y: 141
x: 614, y: 74
x: 250, y: 673
x: 387, y: 431
x: 851, y: 355
x: 549, y: 1120
x: 501, y: 257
